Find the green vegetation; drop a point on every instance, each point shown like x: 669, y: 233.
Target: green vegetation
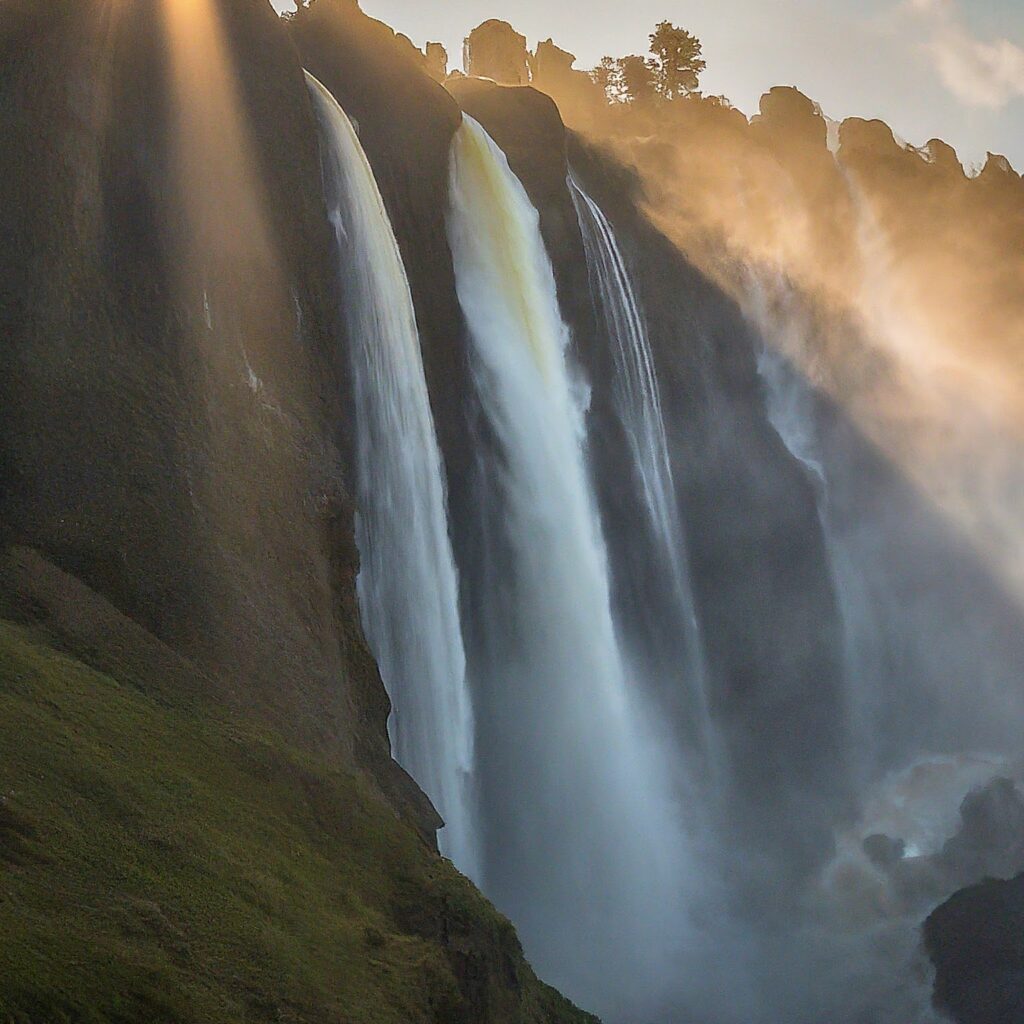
x: 160, y: 863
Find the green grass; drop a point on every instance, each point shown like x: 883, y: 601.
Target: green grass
x: 163, y: 864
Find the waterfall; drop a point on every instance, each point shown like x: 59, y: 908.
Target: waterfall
x: 775, y: 310
x: 638, y: 404
x: 636, y: 386
x: 407, y: 587
x: 581, y: 848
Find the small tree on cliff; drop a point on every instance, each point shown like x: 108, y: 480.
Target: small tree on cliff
x: 606, y: 75
x: 630, y: 79
x: 677, y: 55
x: 639, y: 78
x: 673, y: 72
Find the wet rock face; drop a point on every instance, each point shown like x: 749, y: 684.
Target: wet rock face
x: 976, y: 942
x: 170, y: 412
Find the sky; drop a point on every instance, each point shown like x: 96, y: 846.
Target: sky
x: 952, y: 69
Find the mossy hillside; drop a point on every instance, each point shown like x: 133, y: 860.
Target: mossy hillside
x: 161, y: 863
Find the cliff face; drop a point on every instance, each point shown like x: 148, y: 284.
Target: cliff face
x: 169, y: 414
x: 175, y: 518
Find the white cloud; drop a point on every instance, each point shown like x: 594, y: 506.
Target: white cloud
x: 980, y: 73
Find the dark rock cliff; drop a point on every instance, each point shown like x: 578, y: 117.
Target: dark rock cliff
x: 174, y: 499
x: 175, y: 429
x: 168, y: 427
x: 976, y: 941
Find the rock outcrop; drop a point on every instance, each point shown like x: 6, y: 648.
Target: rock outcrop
x: 497, y: 51
x: 976, y: 942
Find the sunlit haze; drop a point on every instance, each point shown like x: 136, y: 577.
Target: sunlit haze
x: 931, y: 68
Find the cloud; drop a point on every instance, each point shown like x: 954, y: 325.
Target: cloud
x: 980, y: 73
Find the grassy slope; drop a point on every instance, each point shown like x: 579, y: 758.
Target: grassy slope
x: 158, y: 863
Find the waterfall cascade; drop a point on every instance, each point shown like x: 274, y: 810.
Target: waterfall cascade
x: 638, y: 404
x: 636, y: 385
x: 580, y: 844
x: 891, y: 559
x: 775, y: 310
x: 583, y: 823
x: 408, y: 587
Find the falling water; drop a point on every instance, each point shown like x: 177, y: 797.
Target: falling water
x: 581, y: 849
x: 775, y: 309
x: 636, y: 386
x: 638, y: 403
x: 408, y: 588
x: 907, y: 703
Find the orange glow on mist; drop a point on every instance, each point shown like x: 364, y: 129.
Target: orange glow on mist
x: 935, y: 380
x: 216, y: 160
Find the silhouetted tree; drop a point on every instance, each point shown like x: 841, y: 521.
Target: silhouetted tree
x: 630, y: 79
x: 673, y: 72
x: 606, y: 76
x: 678, y: 59
x: 639, y: 78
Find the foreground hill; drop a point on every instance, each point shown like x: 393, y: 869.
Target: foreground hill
x: 162, y: 861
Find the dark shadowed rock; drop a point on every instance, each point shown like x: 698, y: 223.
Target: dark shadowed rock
x: 991, y: 837
x: 884, y: 851
x: 169, y: 418
x: 976, y: 942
